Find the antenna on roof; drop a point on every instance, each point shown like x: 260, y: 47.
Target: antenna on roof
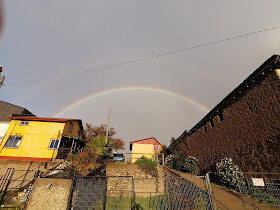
x: 1, y: 78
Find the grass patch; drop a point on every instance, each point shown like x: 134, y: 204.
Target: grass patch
x: 141, y: 203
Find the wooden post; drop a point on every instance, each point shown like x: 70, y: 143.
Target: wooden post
x: 157, y: 159
x: 72, y: 144
x: 124, y: 157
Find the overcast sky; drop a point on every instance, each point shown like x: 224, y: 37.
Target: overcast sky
x: 44, y: 39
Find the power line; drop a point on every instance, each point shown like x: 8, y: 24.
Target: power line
x: 147, y: 58
x: 39, y: 106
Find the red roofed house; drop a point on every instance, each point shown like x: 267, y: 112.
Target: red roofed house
x: 145, y: 147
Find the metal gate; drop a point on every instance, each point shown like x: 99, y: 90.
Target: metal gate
x: 261, y: 190
x: 126, y: 192
x: 103, y: 192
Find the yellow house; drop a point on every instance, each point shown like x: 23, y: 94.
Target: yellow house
x: 41, y: 139
x: 145, y: 147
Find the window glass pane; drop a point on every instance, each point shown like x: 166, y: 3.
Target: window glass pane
x: 16, y: 143
x: 18, y: 138
x: 51, y: 144
x: 70, y: 128
x: 13, y: 141
x: 155, y: 147
x: 56, y: 144
x: 24, y: 123
x: 9, y: 142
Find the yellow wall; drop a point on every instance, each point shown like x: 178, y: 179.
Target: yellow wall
x: 142, y: 148
x: 74, y: 131
x: 35, y: 141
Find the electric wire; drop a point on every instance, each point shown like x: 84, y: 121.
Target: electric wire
x: 147, y: 58
x: 39, y: 106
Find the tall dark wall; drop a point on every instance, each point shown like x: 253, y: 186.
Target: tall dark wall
x: 249, y: 131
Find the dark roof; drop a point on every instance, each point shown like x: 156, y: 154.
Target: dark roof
x: 7, y: 109
x: 254, y: 79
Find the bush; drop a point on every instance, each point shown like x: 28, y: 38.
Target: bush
x: 228, y: 174
x: 181, y: 163
x: 148, y: 166
x: 175, y: 161
x: 82, y: 163
x: 190, y: 165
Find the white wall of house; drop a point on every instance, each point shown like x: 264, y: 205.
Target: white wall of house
x: 3, y: 129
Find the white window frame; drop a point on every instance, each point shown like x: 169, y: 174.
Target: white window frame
x: 24, y: 123
x: 9, y: 139
x: 54, y: 140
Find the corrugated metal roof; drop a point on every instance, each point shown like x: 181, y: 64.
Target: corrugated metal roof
x: 151, y: 140
x: 7, y: 109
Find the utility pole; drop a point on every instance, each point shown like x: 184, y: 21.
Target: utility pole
x: 108, y: 123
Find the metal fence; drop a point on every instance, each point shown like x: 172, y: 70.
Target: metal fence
x: 126, y: 192
x: 261, y: 190
x: 14, y: 191
x: 192, y: 192
x: 102, y: 192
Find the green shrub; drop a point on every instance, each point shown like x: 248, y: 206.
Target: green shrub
x: 190, y: 165
x: 148, y: 166
x: 181, y: 163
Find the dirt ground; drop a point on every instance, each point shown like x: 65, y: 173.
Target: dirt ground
x: 50, y: 193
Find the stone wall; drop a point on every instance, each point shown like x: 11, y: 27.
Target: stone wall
x: 144, y: 185
x: 247, y: 131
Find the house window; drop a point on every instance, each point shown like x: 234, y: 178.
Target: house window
x: 24, y: 123
x: 13, y: 141
x: 156, y: 148
x: 54, y: 144
x: 70, y: 128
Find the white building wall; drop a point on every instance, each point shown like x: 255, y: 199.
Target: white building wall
x: 3, y: 129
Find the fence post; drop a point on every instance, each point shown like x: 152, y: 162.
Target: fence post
x: 132, y: 194
x: 105, y: 193
x: 73, y: 188
x: 208, y: 185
